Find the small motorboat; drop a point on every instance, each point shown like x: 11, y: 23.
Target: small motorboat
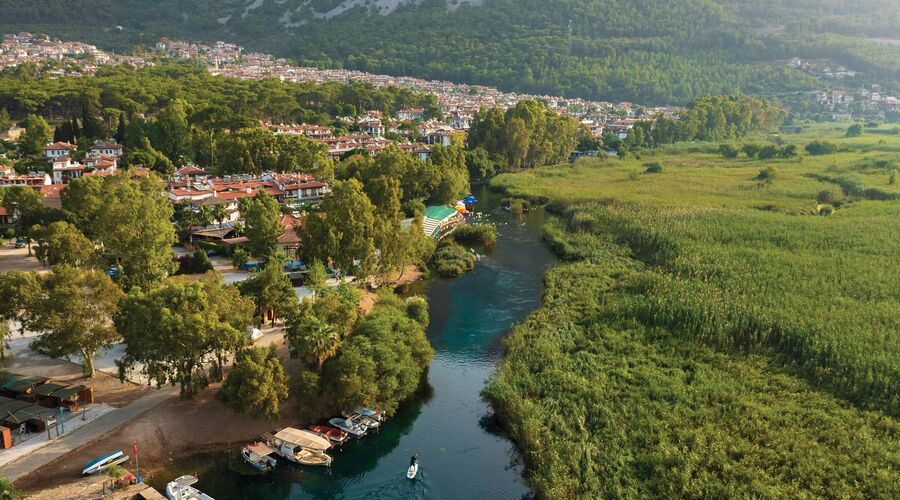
x: 349, y: 426
x: 182, y: 489
x: 257, y: 455
x: 105, y: 462
x: 368, y: 412
x: 368, y: 422
x: 301, y: 446
x: 334, y: 435
x: 305, y: 456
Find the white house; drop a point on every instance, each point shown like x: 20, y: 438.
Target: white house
x: 58, y: 149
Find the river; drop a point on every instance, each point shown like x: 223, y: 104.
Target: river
x: 448, y: 424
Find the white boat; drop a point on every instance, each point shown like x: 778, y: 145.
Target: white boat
x: 257, y: 456
x: 412, y: 471
x: 105, y: 462
x: 368, y: 422
x: 182, y: 489
x: 301, y: 446
x: 353, y: 428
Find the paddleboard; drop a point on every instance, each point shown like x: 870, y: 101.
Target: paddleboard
x: 412, y: 471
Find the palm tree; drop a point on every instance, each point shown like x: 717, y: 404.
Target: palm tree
x: 317, y: 339
x: 219, y: 213
x: 205, y: 215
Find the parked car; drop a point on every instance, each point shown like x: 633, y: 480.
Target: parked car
x: 21, y: 242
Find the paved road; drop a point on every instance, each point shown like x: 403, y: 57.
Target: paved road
x: 84, y: 435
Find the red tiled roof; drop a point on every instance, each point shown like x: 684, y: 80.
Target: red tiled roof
x: 60, y: 146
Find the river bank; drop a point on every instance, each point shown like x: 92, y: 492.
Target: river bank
x: 450, y: 426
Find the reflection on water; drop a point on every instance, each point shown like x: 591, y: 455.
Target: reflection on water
x: 462, y: 455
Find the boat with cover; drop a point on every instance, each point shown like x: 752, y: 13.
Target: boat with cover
x: 301, y: 446
x: 105, y: 462
x: 182, y: 489
x: 347, y: 425
x: 257, y: 455
x: 369, y: 422
x: 369, y: 412
x: 334, y: 435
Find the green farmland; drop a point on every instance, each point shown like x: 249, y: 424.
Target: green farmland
x: 721, y: 328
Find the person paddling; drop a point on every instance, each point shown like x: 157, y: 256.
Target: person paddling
x: 414, y: 460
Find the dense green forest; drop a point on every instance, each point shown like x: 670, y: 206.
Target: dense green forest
x: 645, y: 51
x: 724, y: 326
x: 177, y: 112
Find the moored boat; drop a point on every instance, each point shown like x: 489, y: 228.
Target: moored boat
x: 182, y: 489
x: 301, y: 446
x: 257, y: 455
x: 369, y: 412
x: 349, y: 426
x: 334, y: 435
x: 369, y: 422
x: 101, y: 464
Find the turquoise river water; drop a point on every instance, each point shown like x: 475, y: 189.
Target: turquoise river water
x: 462, y: 455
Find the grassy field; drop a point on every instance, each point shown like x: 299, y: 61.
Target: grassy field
x: 714, y: 334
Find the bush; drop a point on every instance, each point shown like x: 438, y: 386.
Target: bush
x: 239, y: 258
x: 452, y: 259
x: 767, y: 174
x: 826, y: 210
x: 202, y: 263
x: 855, y: 130
x: 653, y: 168
x: 517, y: 206
x: 257, y: 384
x: 820, y: 148
x: 751, y: 150
x: 417, y: 309
x: 826, y: 197
x: 728, y: 151
x: 474, y: 234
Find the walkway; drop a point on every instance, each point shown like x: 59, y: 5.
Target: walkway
x: 86, y: 434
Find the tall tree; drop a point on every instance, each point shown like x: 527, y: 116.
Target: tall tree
x: 130, y: 218
x: 257, y: 384
x: 192, y: 320
x: 311, y: 337
x: 37, y: 134
x: 16, y: 290
x: 345, y: 234
x: 262, y: 224
x: 171, y: 132
x: 62, y: 243
x: 73, y: 310
x: 28, y: 208
x: 271, y: 291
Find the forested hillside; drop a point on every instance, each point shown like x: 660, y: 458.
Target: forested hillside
x: 641, y: 50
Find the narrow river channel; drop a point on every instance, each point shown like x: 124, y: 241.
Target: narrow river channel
x: 447, y: 424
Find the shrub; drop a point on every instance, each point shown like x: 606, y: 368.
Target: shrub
x: 767, y: 174
x: 653, y: 168
x: 517, y: 206
x: 474, y: 234
x: 728, y: 151
x: 751, y: 150
x: 855, y: 130
x: 239, y: 258
x: 826, y: 196
x: 820, y: 148
x: 452, y: 259
x: 417, y: 309
x: 202, y: 263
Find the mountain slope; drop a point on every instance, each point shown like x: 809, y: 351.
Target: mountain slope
x: 649, y: 51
